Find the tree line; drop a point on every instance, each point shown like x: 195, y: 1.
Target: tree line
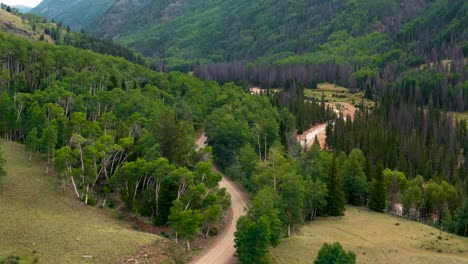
x: 117, y: 133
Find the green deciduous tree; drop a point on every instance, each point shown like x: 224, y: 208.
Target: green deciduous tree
x: 253, y: 240
x: 314, y: 198
x: 186, y: 222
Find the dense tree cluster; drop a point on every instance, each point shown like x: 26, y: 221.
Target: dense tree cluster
x: 63, y: 35
x: 427, y: 144
x: 115, y: 131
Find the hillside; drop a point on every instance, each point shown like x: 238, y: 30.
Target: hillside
x: 13, y: 24
x: 203, y: 32
x: 375, y: 238
x: 40, y: 221
x: 22, y: 8
x: 77, y: 14
x: 181, y: 33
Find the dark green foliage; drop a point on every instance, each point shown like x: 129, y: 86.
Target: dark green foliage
x: 334, y: 254
x: 461, y: 220
x: 336, y: 196
x: 354, y: 179
x: 378, y: 192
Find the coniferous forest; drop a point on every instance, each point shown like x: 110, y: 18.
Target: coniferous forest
x: 117, y: 125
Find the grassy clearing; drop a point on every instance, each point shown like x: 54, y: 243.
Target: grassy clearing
x: 461, y: 116
x: 375, y: 238
x: 336, y: 94
x: 40, y: 222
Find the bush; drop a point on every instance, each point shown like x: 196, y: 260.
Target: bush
x: 213, y: 231
x: 335, y: 254
x: 10, y: 260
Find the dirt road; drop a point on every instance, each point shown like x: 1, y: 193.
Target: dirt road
x: 307, y: 138
x: 222, y: 250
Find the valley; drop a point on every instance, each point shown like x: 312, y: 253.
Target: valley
x: 246, y: 131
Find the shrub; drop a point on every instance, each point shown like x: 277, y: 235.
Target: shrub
x: 10, y: 260
x: 335, y: 254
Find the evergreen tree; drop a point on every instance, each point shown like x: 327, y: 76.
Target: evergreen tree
x: 336, y: 196
x: 378, y: 191
x: 354, y: 178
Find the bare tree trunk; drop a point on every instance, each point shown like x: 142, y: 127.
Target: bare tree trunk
x: 74, y: 187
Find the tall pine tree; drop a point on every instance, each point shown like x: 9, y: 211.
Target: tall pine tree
x: 378, y: 191
x: 336, y: 196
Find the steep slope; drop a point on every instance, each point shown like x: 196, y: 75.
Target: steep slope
x: 126, y: 17
x: 13, y: 24
x: 40, y: 223
x: 77, y: 14
x: 227, y: 30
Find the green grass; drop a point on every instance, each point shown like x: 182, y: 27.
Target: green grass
x: 375, y: 238
x: 461, y: 116
x: 337, y: 94
x: 39, y: 221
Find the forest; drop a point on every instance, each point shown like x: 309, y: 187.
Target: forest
x: 119, y: 129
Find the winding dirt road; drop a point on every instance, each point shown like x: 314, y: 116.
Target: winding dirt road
x: 222, y: 250
x: 307, y: 138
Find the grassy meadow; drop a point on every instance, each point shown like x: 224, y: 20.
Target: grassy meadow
x: 42, y: 224
x: 337, y: 94
x: 375, y: 238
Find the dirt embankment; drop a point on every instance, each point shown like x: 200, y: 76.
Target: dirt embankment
x: 307, y: 138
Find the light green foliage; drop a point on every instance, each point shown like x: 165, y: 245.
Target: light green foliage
x: 334, y: 254
x: 186, y: 222
x: 253, y: 240
x: 266, y: 203
x: 414, y: 196
x: 314, y: 198
x: 396, y: 185
x: 292, y: 194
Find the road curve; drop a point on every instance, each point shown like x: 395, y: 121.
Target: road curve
x: 222, y: 249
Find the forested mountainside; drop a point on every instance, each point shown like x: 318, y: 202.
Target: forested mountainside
x: 274, y: 30
x: 77, y: 14
x: 119, y: 134
x: 180, y: 34
x: 39, y: 28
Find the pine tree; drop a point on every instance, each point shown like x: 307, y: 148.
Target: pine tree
x: 336, y: 196
x: 378, y: 192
